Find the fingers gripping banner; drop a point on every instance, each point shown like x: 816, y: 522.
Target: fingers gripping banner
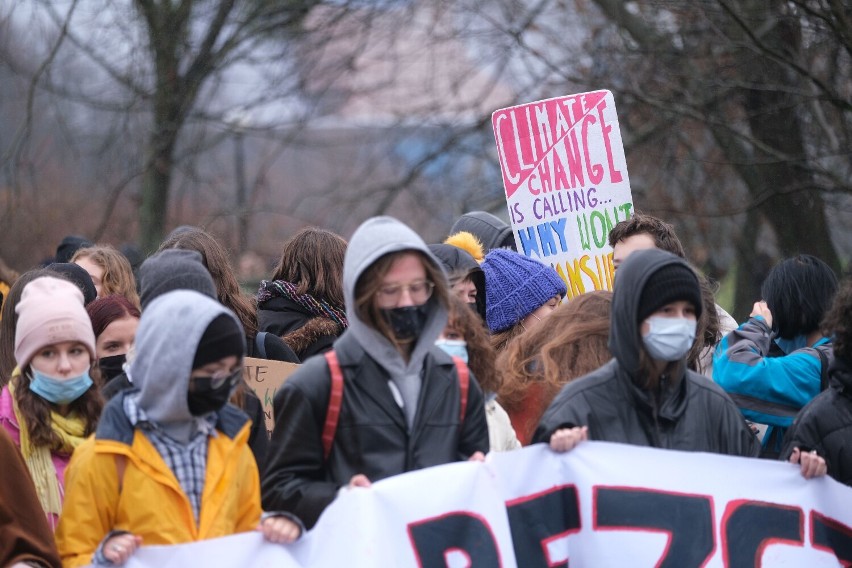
x: 602, y: 504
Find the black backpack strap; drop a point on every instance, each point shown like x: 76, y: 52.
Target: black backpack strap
x: 823, y: 376
x: 260, y: 344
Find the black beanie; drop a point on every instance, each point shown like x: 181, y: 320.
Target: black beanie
x: 69, y: 245
x: 222, y: 338
x: 174, y: 269
x: 671, y: 283
x: 78, y: 276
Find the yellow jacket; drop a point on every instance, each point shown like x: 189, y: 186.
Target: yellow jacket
x: 148, y: 500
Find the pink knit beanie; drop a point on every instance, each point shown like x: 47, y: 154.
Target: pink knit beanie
x: 50, y: 311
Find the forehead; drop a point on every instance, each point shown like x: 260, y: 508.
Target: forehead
x: 405, y: 268
x: 641, y: 241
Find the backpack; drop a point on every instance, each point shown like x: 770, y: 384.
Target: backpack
x: 335, y: 399
x: 773, y: 446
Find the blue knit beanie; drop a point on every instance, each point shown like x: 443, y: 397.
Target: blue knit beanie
x: 515, y: 287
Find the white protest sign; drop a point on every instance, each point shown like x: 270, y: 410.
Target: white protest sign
x: 566, y: 183
x: 601, y: 504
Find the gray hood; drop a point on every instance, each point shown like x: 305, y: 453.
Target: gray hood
x: 169, y: 332
x: 375, y: 238
x: 625, y: 341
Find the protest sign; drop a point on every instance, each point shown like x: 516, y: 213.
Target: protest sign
x: 602, y: 504
x: 265, y: 377
x: 565, y: 177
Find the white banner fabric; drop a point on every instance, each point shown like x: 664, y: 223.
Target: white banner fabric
x: 601, y: 504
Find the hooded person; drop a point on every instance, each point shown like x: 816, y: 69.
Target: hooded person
x: 645, y: 395
x: 492, y: 232
x: 170, y: 462
x: 467, y: 280
x: 183, y: 269
x: 403, y: 400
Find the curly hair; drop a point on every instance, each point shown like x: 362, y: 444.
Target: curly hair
x: 838, y: 320
x: 569, y: 343
x: 118, y: 274
x: 482, y: 358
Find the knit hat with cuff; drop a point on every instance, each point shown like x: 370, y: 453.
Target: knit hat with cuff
x: 516, y: 286
x: 50, y: 311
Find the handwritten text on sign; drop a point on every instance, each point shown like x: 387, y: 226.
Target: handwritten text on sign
x: 566, y: 183
x: 265, y: 377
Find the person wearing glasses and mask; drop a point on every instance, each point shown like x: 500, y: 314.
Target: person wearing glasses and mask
x: 646, y: 395
x: 170, y: 461
x: 402, y: 406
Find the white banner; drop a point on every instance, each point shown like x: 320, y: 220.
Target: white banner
x: 602, y: 504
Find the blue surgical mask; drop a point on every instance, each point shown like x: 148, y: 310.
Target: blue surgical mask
x: 60, y: 391
x: 454, y: 347
x: 794, y: 344
x: 669, y: 339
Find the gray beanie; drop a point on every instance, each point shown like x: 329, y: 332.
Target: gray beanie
x: 174, y: 269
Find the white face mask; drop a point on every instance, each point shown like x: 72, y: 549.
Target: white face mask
x: 669, y: 339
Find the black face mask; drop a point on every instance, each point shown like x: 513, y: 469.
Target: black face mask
x: 207, y: 394
x: 408, y: 322
x: 111, y: 366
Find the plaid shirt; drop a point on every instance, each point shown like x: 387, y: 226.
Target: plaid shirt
x: 187, y: 462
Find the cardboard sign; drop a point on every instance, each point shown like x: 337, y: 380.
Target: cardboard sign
x: 265, y: 377
x: 566, y: 183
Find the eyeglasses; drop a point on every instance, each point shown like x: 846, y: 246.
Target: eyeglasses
x: 216, y: 380
x: 419, y: 292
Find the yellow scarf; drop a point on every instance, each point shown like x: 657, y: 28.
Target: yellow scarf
x: 70, y: 430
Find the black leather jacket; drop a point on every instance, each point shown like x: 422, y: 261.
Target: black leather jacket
x: 372, y: 437
x: 691, y: 414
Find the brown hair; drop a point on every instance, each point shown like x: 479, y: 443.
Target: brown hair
x: 838, y: 320
x: 35, y: 411
x: 482, y: 359
x: 663, y: 233
x: 567, y: 344
x: 370, y: 282
x: 312, y: 260
x: 215, y: 259
x: 10, y: 320
x: 708, y: 332
x: 502, y: 339
x: 118, y: 274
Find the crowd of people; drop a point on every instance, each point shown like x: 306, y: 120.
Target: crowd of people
x: 126, y: 420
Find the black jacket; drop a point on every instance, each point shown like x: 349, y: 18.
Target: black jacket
x: 372, y: 437
x: 825, y: 424
x: 303, y: 332
x: 686, y: 412
x: 693, y: 415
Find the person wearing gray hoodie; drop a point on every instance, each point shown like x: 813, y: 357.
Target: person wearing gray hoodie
x: 170, y: 462
x: 645, y: 395
x: 403, y: 407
